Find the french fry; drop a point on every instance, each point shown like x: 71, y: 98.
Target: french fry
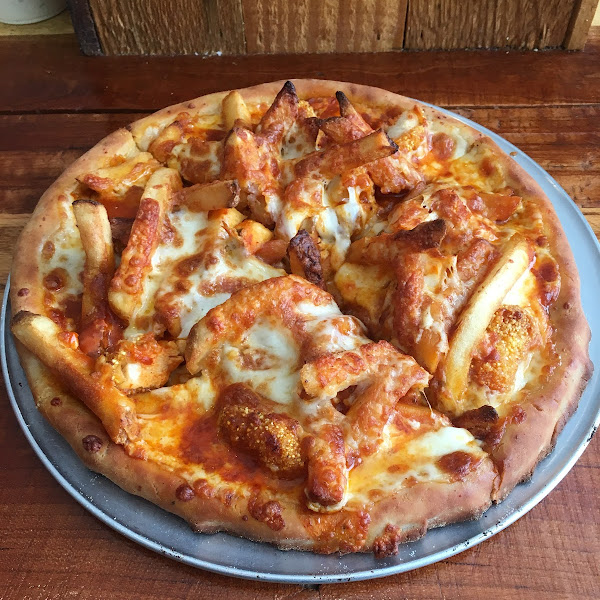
x: 305, y: 258
x: 327, y: 478
x: 126, y: 287
x: 344, y: 157
x: 386, y: 376
x: 209, y: 196
x: 235, y: 111
x: 253, y: 235
x: 166, y: 140
x: 280, y: 116
x: 113, y: 182
x: 386, y: 248
x: 348, y: 111
x: 272, y: 251
x: 41, y: 336
x: 475, y: 318
x: 393, y: 174
x: 96, y: 238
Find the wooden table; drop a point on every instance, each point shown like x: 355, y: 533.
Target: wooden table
x: 55, y: 104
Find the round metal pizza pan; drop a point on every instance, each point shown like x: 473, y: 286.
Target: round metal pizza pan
x: 166, y: 534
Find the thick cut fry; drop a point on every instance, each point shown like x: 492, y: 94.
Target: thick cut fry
x: 305, y: 258
x: 385, y: 375
x: 57, y: 350
x: 254, y: 235
x: 235, y: 111
x: 99, y: 328
x: 393, y: 174
x: 280, y: 117
x: 343, y: 157
x: 209, y: 196
x: 327, y: 481
x: 387, y: 248
x: 126, y: 287
x: 167, y: 139
x: 119, y: 187
x: 251, y: 164
x: 485, y: 301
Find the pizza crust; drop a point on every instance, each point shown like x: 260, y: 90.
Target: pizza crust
x: 406, y: 514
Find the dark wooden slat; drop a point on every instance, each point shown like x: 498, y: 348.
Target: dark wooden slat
x: 83, y: 22
x: 51, y: 75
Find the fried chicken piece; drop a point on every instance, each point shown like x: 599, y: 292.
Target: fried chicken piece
x: 248, y: 423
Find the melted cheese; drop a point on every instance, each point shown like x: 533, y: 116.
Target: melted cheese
x: 406, y: 459
x: 405, y: 122
x: 186, y: 224
x: 267, y: 359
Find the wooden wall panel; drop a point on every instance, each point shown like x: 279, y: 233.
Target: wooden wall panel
x: 205, y: 27
x: 286, y: 26
x: 169, y: 26
x: 491, y: 24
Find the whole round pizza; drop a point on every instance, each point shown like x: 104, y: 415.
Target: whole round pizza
x: 310, y: 313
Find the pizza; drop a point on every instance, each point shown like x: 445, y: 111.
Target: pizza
x: 310, y: 313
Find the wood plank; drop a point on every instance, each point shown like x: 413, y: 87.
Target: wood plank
x: 157, y: 27
x: 579, y: 26
x: 493, y: 24
x: 53, y: 76
x: 324, y: 25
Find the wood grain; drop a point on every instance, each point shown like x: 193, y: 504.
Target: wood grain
x: 51, y: 75
x: 324, y: 25
x: 492, y: 24
x: 166, y: 28
x: 579, y: 26
x: 57, y: 104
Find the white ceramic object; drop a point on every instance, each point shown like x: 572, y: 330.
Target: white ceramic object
x: 23, y: 12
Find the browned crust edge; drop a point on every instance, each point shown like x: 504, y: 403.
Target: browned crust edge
x: 521, y: 448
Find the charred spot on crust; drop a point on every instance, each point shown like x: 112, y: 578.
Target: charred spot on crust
x: 56, y: 401
x: 387, y: 543
x: 23, y: 292
x: 268, y: 513
x: 458, y: 464
x: 184, y: 493
x: 484, y: 423
x: 92, y: 443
